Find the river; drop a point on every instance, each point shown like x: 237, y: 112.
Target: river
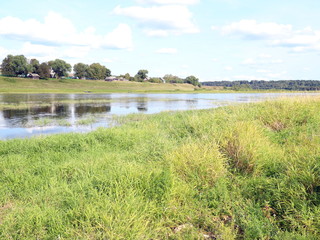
x: 27, y: 115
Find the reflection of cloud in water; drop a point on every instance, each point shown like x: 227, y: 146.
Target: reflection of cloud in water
x: 37, y: 129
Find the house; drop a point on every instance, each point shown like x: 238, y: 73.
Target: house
x: 33, y: 76
x: 111, y: 78
x: 52, y: 74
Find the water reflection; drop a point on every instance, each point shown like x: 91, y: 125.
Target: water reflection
x: 83, y: 109
x: 142, y: 105
x: 73, y: 107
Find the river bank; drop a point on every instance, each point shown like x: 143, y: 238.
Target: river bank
x: 26, y: 85
x: 249, y: 171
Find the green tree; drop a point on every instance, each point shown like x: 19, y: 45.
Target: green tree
x: 192, y: 80
x: 155, y: 80
x: 169, y: 78
x: 15, y: 65
x: 44, y: 71
x: 98, y: 71
x: 7, y: 66
x: 34, y: 66
x: 141, y: 75
x: 127, y: 76
x: 81, y: 70
x: 60, y: 67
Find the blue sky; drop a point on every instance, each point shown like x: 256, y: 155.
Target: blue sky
x: 211, y: 39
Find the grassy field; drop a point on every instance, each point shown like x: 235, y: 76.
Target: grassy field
x: 240, y: 172
x: 23, y: 85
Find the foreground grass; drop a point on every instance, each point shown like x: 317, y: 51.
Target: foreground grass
x: 243, y: 172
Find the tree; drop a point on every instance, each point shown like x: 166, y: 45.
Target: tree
x: 97, y: 71
x: 155, y: 80
x: 127, y: 76
x: 141, y: 75
x: 60, y: 67
x: 169, y: 78
x: 81, y: 70
x: 44, y: 71
x: 15, y: 65
x: 192, y: 80
x: 34, y: 66
x: 7, y: 66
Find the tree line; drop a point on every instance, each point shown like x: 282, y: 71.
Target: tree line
x: 142, y: 76
x: 19, y: 66
x: 294, y: 85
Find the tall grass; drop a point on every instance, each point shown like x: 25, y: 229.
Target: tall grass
x: 240, y: 172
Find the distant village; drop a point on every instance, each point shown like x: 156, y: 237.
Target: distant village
x: 20, y: 66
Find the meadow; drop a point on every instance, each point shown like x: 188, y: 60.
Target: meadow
x: 52, y: 85
x: 250, y: 171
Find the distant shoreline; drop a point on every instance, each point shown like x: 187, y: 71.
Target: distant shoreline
x: 26, y: 85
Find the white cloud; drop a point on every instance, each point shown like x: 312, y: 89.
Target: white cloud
x: 263, y: 55
x: 277, y: 75
x: 247, y: 77
x: 249, y: 61
x: 167, y: 50
x: 76, y: 52
x: 275, y: 61
x: 107, y: 60
x: 276, y: 35
x: 253, y: 30
x: 228, y: 68
x: 161, y: 20
x: 166, y: 2
x: 261, y: 61
x: 120, y: 38
x: 262, y: 71
x: 214, y: 28
x: 37, y: 50
x: 3, y: 52
x: 57, y: 30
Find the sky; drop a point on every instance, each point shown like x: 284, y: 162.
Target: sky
x: 210, y: 39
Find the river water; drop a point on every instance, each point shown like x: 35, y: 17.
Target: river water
x: 29, y: 115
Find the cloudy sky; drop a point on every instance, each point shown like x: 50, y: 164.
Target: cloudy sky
x: 211, y: 39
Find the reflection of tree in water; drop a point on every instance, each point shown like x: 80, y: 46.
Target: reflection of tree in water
x: 13, y: 113
x: 142, y: 105
x: 192, y: 101
x: 83, y: 109
x: 60, y: 110
x: 24, y: 116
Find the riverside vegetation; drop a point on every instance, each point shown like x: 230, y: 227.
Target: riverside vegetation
x: 249, y: 171
x: 53, y: 85
x: 26, y: 85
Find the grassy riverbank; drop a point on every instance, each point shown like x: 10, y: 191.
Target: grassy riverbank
x: 240, y: 172
x: 25, y: 85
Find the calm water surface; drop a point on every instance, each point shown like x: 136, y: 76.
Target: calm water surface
x: 60, y: 113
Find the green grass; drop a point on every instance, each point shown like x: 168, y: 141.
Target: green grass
x: 249, y: 171
x: 86, y: 121
x: 25, y: 85
x: 43, y: 122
